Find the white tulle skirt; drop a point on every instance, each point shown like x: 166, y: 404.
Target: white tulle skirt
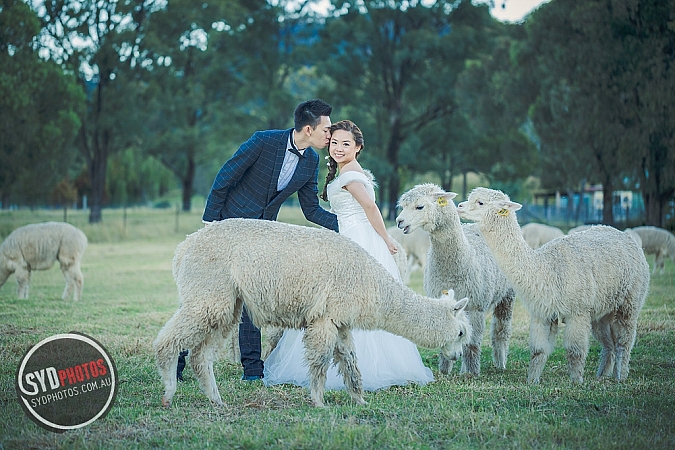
x: 384, y: 360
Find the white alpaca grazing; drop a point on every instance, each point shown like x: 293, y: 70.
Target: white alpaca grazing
x: 291, y: 276
x: 459, y: 257
x: 659, y: 242
x: 594, y: 281
x: 538, y: 234
x: 37, y: 247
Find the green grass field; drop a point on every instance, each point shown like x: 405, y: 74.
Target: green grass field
x: 129, y: 294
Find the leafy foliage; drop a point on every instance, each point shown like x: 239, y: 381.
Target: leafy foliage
x: 39, y: 108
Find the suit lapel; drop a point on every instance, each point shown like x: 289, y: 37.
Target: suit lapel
x: 279, y: 153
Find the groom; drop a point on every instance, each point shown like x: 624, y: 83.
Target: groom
x: 256, y: 180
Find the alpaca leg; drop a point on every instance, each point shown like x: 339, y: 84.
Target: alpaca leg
x: 603, y: 333
x: 444, y: 364
x: 4, y: 273
x: 320, y: 340
x: 22, y: 275
x: 471, y: 351
x: 577, y: 333
x: 272, y: 337
x: 542, y: 341
x: 659, y: 262
x: 500, y: 331
x: 74, y: 280
x: 166, y: 355
x: 624, y: 329
x: 185, y: 329
x: 201, y: 361
x: 345, y: 357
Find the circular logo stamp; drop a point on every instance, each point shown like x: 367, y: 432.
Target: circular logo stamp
x: 66, y: 382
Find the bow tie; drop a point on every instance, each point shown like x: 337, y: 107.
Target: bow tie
x: 295, y: 150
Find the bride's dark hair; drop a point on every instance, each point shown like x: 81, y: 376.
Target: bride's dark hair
x: 346, y: 125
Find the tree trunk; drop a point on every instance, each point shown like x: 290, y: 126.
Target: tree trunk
x: 653, y: 210
x: 392, y: 158
x: 188, y: 182
x: 608, y: 202
x: 97, y: 172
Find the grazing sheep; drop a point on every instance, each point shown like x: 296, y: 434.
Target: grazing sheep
x: 537, y: 234
x: 416, y: 245
x: 659, y: 242
x: 459, y: 257
x: 291, y: 276
x: 37, y: 247
x: 595, y: 281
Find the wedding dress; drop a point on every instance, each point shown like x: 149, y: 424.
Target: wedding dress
x: 384, y: 359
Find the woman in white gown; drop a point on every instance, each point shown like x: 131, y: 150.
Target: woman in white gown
x: 384, y: 359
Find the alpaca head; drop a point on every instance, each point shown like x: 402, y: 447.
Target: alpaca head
x: 459, y: 331
x: 487, y: 206
x: 426, y: 206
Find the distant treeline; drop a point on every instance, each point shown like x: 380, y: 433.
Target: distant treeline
x: 124, y: 101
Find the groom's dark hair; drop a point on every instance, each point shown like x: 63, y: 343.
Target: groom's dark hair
x: 310, y: 112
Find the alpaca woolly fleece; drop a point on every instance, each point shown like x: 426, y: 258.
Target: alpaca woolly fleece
x: 659, y: 242
x: 291, y: 276
x: 629, y: 231
x: 37, y: 247
x: 459, y: 257
x: 537, y: 234
x: 595, y: 281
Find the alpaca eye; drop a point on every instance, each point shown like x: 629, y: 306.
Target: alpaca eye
x: 461, y: 333
x: 419, y: 207
x: 479, y: 202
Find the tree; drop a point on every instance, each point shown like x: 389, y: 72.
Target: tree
x: 645, y: 71
x: 605, y: 94
x: 39, y: 107
x: 95, y: 39
x: 396, y: 65
x: 494, y: 96
x: 214, y: 74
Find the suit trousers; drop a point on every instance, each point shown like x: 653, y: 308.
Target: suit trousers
x: 250, y: 346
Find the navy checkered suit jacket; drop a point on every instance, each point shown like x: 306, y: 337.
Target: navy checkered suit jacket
x: 246, y: 185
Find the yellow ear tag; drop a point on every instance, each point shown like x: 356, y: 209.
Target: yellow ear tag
x: 442, y: 201
x: 445, y: 292
x: 503, y: 212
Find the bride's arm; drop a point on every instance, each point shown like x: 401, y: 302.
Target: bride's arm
x: 359, y: 192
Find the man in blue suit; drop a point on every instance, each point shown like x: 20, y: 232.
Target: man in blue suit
x: 257, y: 179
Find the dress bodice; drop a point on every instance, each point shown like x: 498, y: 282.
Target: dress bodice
x: 343, y: 204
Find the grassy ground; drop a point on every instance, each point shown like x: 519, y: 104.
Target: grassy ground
x: 129, y: 294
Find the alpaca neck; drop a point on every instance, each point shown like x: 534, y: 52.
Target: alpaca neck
x: 517, y: 260
x: 413, y: 316
x: 449, y: 235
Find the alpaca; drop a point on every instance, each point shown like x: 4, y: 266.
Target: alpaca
x: 537, y: 234
x: 291, y: 276
x: 659, y: 242
x: 37, y: 247
x: 459, y: 257
x: 594, y: 281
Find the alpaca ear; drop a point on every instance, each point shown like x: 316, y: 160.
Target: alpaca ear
x: 460, y: 305
x: 442, y: 198
x: 511, y: 206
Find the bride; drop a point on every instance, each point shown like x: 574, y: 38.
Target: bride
x: 384, y: 359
